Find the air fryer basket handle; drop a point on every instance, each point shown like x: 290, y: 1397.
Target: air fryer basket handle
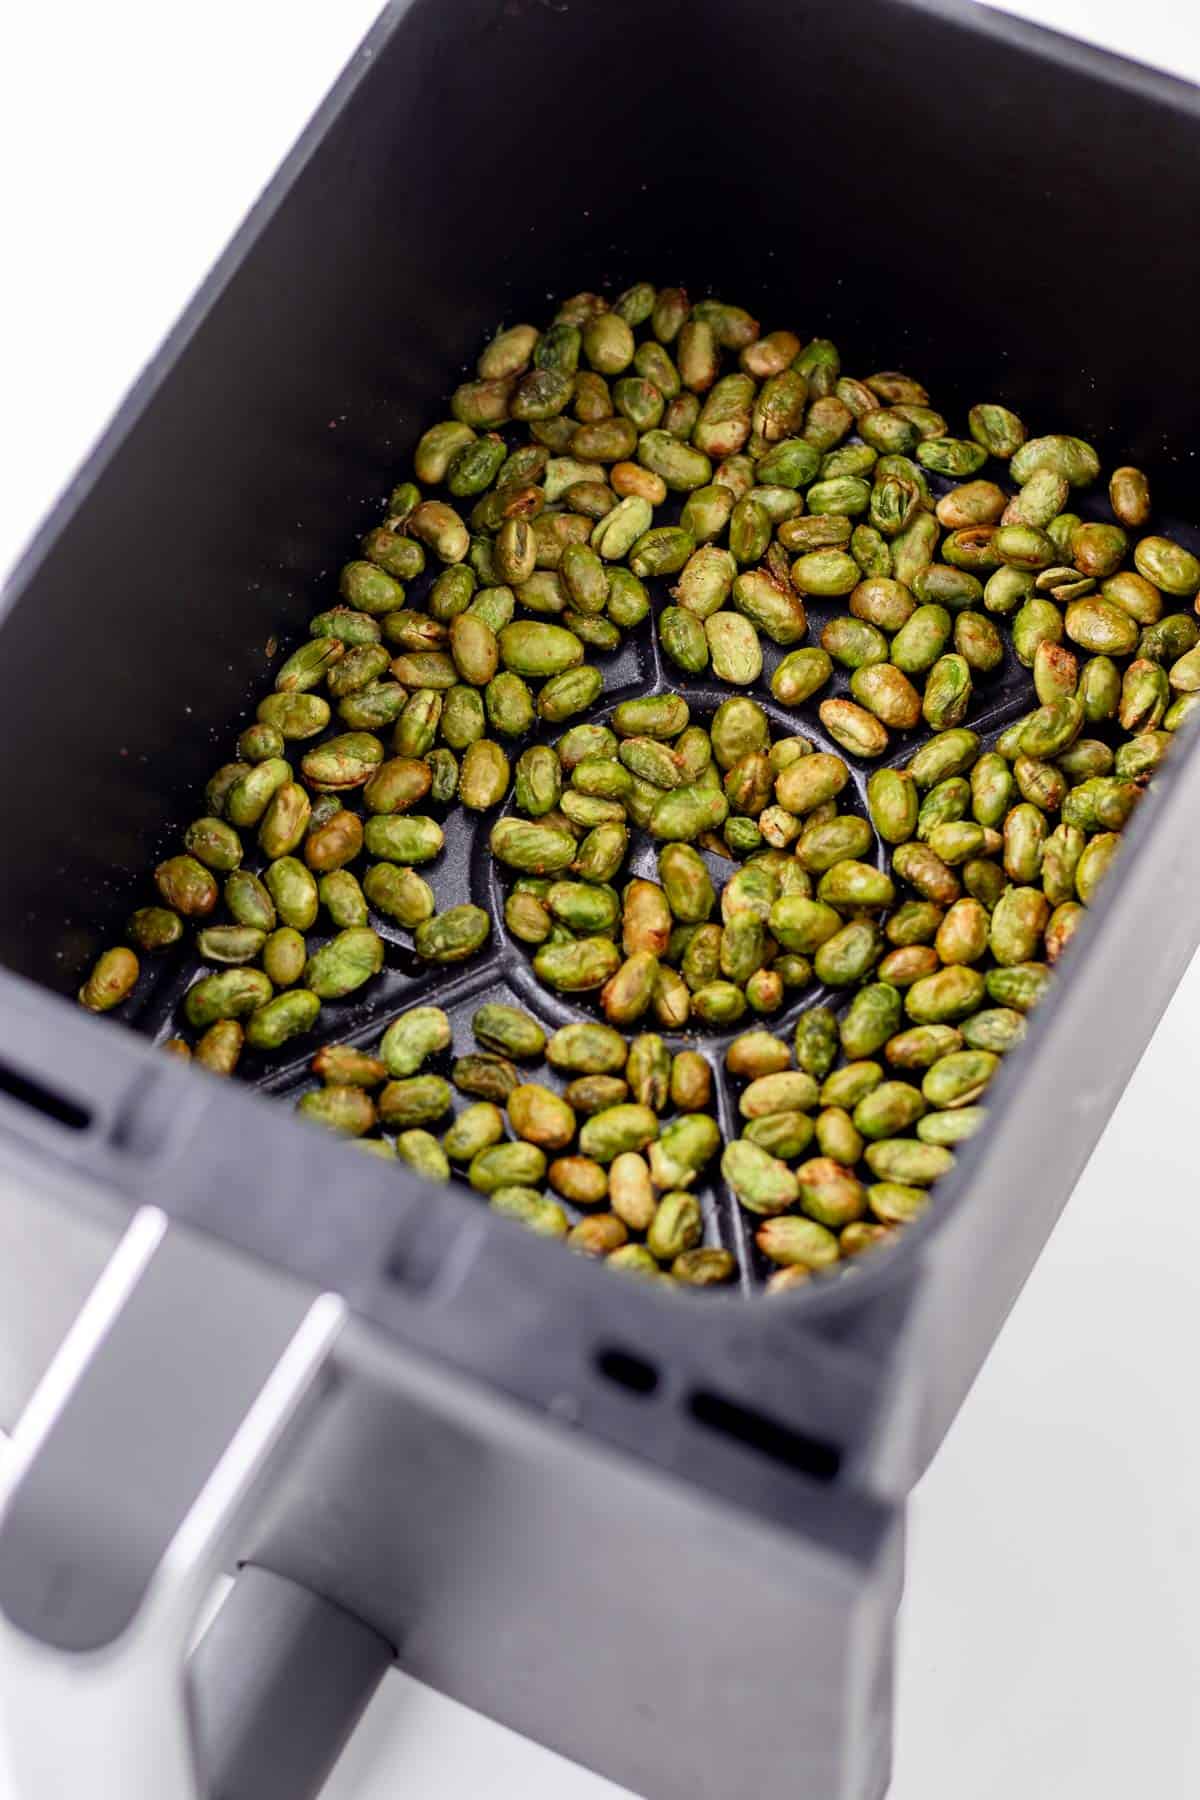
x: 138, y: 1465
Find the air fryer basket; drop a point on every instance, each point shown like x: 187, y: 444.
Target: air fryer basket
x: 540, y: 1485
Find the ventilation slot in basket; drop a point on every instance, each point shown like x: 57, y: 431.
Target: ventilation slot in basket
x: 783, y: 1444
x: 29, y: 1092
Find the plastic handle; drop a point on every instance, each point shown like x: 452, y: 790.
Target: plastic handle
x: 138, y: 1464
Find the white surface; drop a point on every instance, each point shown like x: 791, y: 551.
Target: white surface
x: 1051, y: 1639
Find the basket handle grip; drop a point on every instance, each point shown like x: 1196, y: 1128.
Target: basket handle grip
x: 137, y: 1468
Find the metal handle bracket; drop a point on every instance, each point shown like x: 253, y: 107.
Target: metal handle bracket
x: 137, y: 1465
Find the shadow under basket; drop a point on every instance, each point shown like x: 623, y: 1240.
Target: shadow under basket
x: 661, y: 1534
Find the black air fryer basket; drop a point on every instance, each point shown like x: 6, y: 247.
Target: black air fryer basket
x: 662, y: 1534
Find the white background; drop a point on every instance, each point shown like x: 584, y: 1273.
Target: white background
x: 1051, y: 1635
